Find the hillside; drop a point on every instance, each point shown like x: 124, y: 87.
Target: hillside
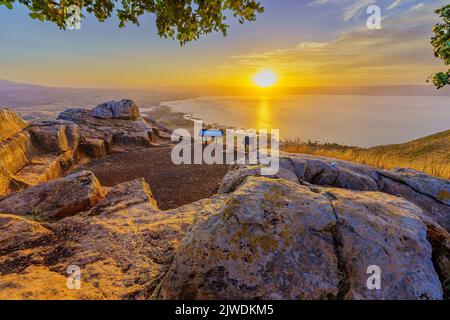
x: 145, y: 229
x: 430, y: 154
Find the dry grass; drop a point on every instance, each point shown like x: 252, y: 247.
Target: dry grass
x: 430, y: 154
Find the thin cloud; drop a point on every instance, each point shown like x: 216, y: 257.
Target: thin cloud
x: 353, y: 8
x: 399, y: 53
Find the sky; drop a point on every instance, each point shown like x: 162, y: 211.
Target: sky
x: 306, y: 43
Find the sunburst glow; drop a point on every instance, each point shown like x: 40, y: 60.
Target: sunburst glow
x: 265, y: 78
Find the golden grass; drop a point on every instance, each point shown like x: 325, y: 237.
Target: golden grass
x: 430, y: 154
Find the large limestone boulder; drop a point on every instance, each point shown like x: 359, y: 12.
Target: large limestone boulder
x: 10, y: 124
x: 123, y: 246
x: 374, y: 229
x: 15, y: 148
x: 274, y: 239
x: 35, y: 152
x: 55, y: 136
x: 269, y: 240
x: 433, y: 187
x: 56, y: 199
x: 427, y: 192
x: 423, y: 190
x: 124, y: 109
x: 15, y: 154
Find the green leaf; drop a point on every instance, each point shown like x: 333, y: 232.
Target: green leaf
x: 185, y: 20
x: 7, y: 4
x: 441, y: 43
x: 39, y: 16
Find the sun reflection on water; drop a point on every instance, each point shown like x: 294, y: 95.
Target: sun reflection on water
x: 264, y: 114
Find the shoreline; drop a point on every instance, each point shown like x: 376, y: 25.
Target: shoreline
x: 410, y: 154
x: 367, y: 123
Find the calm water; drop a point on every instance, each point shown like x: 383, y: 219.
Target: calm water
x: 351, y: 120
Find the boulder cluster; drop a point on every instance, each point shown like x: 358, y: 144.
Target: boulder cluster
x: 310, y: 232
x: 36, y: 152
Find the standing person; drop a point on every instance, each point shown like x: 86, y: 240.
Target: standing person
x: 247, y: 144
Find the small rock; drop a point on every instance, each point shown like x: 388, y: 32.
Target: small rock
x: 55, y: 136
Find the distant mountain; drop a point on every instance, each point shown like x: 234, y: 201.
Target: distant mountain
x: 28, y: 97
x: 5, y: 84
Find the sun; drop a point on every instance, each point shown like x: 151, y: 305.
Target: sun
x: 265, y: 78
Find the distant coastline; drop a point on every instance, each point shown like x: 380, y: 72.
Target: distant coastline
x: 430, y: 154
x: 363, y: 121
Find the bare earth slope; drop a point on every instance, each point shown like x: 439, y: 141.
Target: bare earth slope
x: 173, y: 186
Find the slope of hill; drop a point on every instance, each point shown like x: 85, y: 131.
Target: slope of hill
x: 25, y: 98
x: 430, y: 154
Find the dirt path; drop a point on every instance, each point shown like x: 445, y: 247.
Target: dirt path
x: 172, y: 185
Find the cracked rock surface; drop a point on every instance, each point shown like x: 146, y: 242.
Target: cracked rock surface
x: 274, y: 239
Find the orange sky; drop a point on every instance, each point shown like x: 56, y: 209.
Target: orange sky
x: 306, y: 43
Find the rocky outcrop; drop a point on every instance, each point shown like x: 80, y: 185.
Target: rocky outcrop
x: 265, y: 237
x: 34, y: 152
x: 11, y: 123
x: 315, y: 230
x: 425, y: 191
x: 24, y: 246
x: 124, y: 246
x: 14, y: 143
x: 39, y: 151
x: 274, y: 239
x: 55, y: 136
x: 56, y: 199
x: 118, y: 124
x: 124, y: 109
x: 55, y: 150
x: 15, y: 154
